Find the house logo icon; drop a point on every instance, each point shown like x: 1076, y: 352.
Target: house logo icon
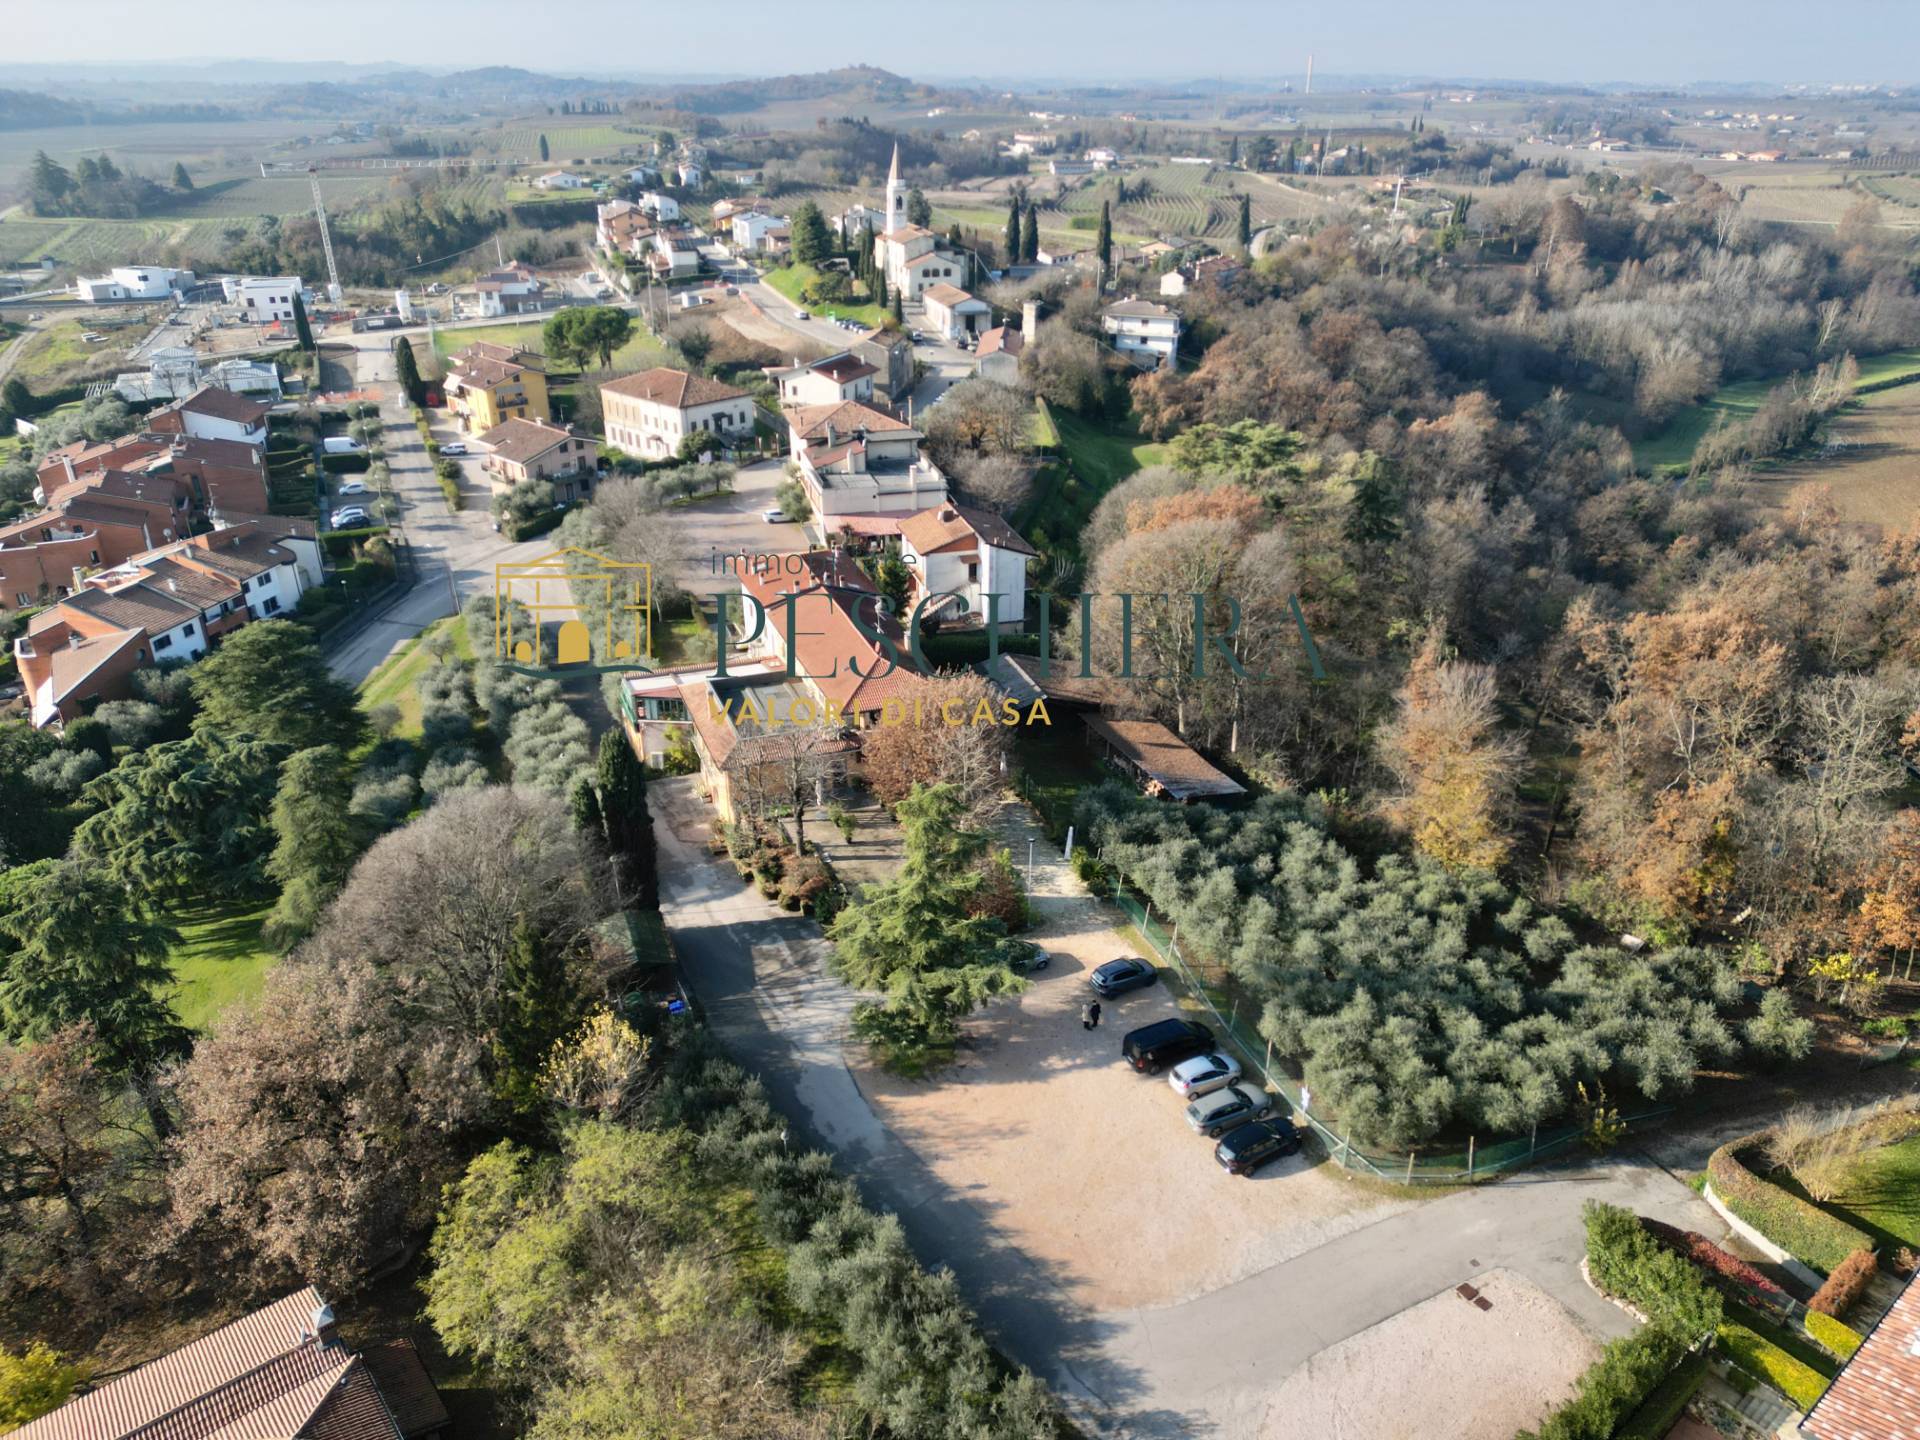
x: 587, y: 594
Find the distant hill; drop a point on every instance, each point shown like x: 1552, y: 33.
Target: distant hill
x: 30, y: 110
x: 866, y: 84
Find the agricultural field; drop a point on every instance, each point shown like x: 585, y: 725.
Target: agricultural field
x: 1870, y: 462
x: 219, y: 146
x: 568, y: 142
x: 1804, y: 195
x: 95, y: 244
x: 245, y: 197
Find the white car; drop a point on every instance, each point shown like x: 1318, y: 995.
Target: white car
x: 351, y: 516
x: 353, y: 487
x: 1203, y: 1074
x: 776, y: 516
x: 454, y: 447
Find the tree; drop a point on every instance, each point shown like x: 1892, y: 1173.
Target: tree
x: 270, y: 680
x: 1456, y: 769
x: 541, y: 1006
x: 622, y: 783
x: 812, y: 241
x: 1013, y: 233
x: 48, y: 184
x: 303, y: 332
x: 545, y: 152
x: 406, y: 371
x: 969, y: 755
x: 1030, y: 235
x: 1246, y: 222
x: 16, y: 399
x: 1103, y: 244
x: 315, y: 842
x: 919, y: 212
x: 34, y: 1383
x: 84, y: 953
x: 182, y: 181
x: 587, y: 332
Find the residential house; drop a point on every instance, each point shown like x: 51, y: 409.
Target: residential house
x: 1213, y: 270
x: 641, y: 175
x: 955, y: 314
x: 675, y: 254
x: 623, y: 228
x: 855, y: 220
x: 751, y: 228
x: 211, y: 413
x: 1146, y: 333
x: 856, y: 461
x: 964, y: 556
x: 1163, y: 765
x: 723, y: 211
x: 691, y: 176
x: 660, y: 206
x: 48, y: 554
x: 561, y: 180
x: 167, y: 603
x: 997, y: 357
x: 210, y: 477
x: 844, y: 376
x: 1876, y: 1395
x: 1102, y: 158
x: 175, y: 371
x: 652, y: 413
x: 280, y: 1371
x: 890, y: 353
x: 535, y: 450
x: 1057, y: 166
x: 134, y: 282
x: 488, y: 385
x: 509, y: 291
x: 263, y: 300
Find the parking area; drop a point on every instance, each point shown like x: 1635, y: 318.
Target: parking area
x: 1129, y: 1209
x: 730, y: 525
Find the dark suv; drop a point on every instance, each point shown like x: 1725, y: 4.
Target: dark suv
x: 1152, y: 1048
x: 1116, y: 977
x: 1245, y: 1150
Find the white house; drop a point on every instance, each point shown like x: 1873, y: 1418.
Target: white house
x: 856, y: 461
x: 855, y: 218
x: 214, y: 414
x: 997, y: 357
x: 956, y: 550
x: 824, y: 382
x: 661, y: 207
x: 640, y: 175
x: 954, y: 313
x: 561, y: 180
x: 691, y: 175
x: 263, y: 300
x: 676, y: 254
x: 133, y: 282
x: 653, y: 412
x: 1103, y: 158
x: 910, y: 255
x: 1146, y: 333
x: 508, y: 291
x: 752, y: 227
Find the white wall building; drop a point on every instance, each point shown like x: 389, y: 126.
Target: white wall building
x: 1146, y: 333
x: 263, y: 300
x: 561, y: 180
x: 661, y: 207
x: 954, y: 313
x: 133, y: 282
x: 653, y: 412
x: 752, y: 227
x: 844, y: 376
x: 955, y: 550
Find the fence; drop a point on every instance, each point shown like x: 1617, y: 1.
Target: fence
x: 1476, y: 1162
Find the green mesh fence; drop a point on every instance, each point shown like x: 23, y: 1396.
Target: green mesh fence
x: 1236, y: 1017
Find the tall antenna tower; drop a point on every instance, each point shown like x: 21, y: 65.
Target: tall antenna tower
x: 326, y: 236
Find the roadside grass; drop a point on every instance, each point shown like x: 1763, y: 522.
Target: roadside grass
x: 397, y: 680
x: 220, y: 959
x: 790, y: 280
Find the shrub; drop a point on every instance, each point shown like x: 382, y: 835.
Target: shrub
x: 1613, y: 1387
x: 1628, y: 1262
x: 1841, y: 1339
x: 1804, y: 1231
x: 804, y: 881
x: 1764, y: 1360
x: 1658, y: 1411
x: 1844, y: 1285
x: 1730, y: 1272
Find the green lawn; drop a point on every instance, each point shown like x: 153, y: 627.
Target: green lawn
x: 1882, y: 1195
x: 1099, y: 457
x: 218, y: 961
x: 790, y: 280
x: 641, y: 352
x: 397, y: 680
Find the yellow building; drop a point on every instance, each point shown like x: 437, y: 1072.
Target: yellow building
x: 488, y: 385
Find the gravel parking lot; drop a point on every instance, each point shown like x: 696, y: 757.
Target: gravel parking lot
x: 1087, y: 1167
x: 1443, y: 1368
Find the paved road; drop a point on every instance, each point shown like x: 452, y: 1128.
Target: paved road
x: 1203, y: 1367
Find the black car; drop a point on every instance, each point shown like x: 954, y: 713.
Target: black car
x: 1152, y: 1048
x: 1116, y: 977
x: 1244, y: 1150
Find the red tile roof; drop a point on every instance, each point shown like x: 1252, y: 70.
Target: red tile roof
x: 1001, y: 339
x: 1877, y: 1393
x: 224, y: 405
x: 406, y: 1387
x: 675, y: 388
x: 810, y: 422
x: 822, y: 603
x: 935, y: 529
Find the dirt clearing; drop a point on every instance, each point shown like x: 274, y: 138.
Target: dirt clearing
x: 1871, y: 462
x: 1444, y: 1370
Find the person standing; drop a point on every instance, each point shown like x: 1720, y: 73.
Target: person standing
x: 1090, y: 1017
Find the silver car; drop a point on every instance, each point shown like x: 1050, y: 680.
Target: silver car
x: 1227, y: 1109
x: 1203, y: 1074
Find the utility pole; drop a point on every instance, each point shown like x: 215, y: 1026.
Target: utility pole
x: 1309, y: 75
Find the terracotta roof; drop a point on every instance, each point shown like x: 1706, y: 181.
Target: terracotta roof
x: 224, y: 405
x: 948, y: 295
x: 906, y: 232
x: 1164, y: 757
x: 843, y: 368
x: 220, y: 452
x: 132, y: 607
x: 105, y: 512
x: 522, y: 441
x: 72, y: 664
x: 826, y: 639
x: 354, y: 1408
x: 1002, y: 339
x: 184, y: 582
x: 1877, y: 1393
x: 675, y: 388
x: 934, y: 529
x: 511, y: 355
x: 274, y: 527
x: 810, y: 422
x: 932, y: 257
x: 110, y: 484
x: 406, y: 1387
x: 484, y: 371
x: 242, y: 556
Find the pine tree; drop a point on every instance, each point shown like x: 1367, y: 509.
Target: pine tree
x: 899, y: 311
x: 544, y: 152
x: 406, y: 370
x: 919, y: 212
x: 181, y: 179
x: 303, y: 332
x: 1013, y: 233
x: 1030, y: 235
x: 1103, y: 246
x: 539, y: 1004
x: 314, y: 842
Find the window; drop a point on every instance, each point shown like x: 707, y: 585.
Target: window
x: 973, y: 573
x: 94, y: 556
x: 165, y: 642
x: 273, y: 604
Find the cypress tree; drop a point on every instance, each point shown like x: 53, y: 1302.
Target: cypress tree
x: 1030, y: 235
x: 303, y: 332
x: 181, y: 179
x: 1246, y: 221
x: 1013, y: 233
x: 544, y: 152
x: 629, y: 824
x: 538, y: 1005
x: 406, y: 370
x: 1103, y: 246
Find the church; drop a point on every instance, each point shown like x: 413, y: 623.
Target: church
x: 910, y: 255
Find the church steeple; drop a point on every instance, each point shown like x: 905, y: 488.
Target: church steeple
x: 896, y: 196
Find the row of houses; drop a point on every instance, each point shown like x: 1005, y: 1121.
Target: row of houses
x: 649, y: 231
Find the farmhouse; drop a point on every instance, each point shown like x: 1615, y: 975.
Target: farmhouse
x: 652, y: 413
x: 561, y: 180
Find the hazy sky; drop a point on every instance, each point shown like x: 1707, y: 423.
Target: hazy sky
x: 1647, y: 40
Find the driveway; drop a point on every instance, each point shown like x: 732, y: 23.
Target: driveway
x: 996, y: 1207
x: 709, y: 530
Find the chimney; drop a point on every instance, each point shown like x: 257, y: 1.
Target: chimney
x: 1030, y: 319
x: 66, y: 464
x: 322, y: 1324
x: 829, y: 434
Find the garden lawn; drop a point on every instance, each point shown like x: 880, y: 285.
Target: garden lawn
x: 219, y: 960
x: 524, y: 337
x: 397, y: 680
x: 1099, y: 458
x: 1882, y: 1194
x: 790, y: 280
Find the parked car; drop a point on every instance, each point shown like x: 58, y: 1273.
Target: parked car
x: 914, y: 336
x: 92, y: 337
x: 1203, y: 1074
x: 1116, y: 977
x: 802, y: 315
x: 454, y: 447
x: 775, y: 516
x: 1023, y: 956
x: 349, y: 517
x: 1245, y: 1150
x: 1227, y: 1109
x: 353, y: 487
x: 1152, y: 1048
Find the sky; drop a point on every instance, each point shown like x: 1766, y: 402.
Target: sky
x: 1648, y: 41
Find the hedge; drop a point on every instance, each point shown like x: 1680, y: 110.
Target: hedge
x: 538, y: 525
x: 1729, y: 1272
x: 1764, y: 1360
x: 342, y: 542
x: 1839, y: 1338
x: 346, y: 464
x: 1625, y: 1261
x: 1804, y: 1231
x: 1658, y: 1411
x: 1844, y: 1287
x: 1615, y: 1386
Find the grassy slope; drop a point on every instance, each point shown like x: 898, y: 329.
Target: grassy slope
x: 1100, y: 458
x: 790, y: 280
x: 219, y: 960
x: 1882, y: 1195
x: 398, y: 677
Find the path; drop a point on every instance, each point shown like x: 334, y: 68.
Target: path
x: 1201, y: 1367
